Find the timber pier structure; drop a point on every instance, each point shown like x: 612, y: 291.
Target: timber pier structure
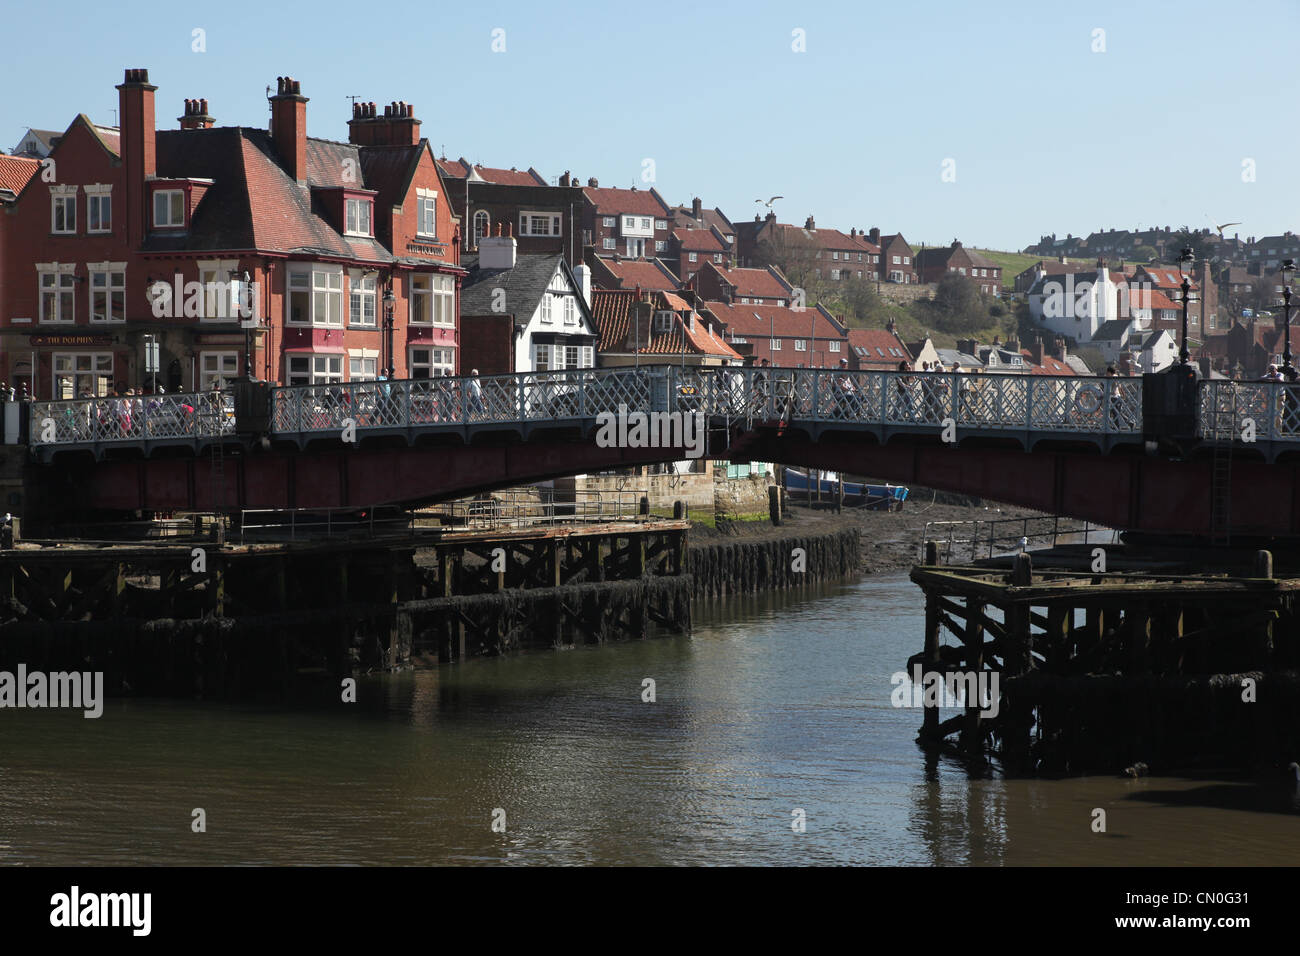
x: 191, y: 616
x: 1155, y: 661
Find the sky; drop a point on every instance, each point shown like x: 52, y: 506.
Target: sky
x: 991, y: 123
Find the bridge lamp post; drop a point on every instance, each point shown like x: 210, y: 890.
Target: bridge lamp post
x: 237, y: 306
x: 390, y: 301
x: 1185, y: 258
x: 1288, y: 268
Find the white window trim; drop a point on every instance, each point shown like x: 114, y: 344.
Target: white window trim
x: 98, y: 190
x: 62, y: 195
x: 355, y: 277
x: 309, y: 269
x: 222, y: 268
x: 205, y: 376
x: 554, y: 222
x: 370, y: 219
x: 111, y: 268
x: 153, y: 209
x: 61, y: 269
x: 421, y: 197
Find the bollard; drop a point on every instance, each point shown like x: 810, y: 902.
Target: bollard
x: 1022, y: 571
x: 1263, y: 564
x: 679, y: 510
x: 644, y: 507
x: 774, y: 504
x: 931, y: 553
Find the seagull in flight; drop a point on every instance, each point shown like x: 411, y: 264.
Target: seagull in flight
x: 1219, y: 228
x: 769, y: 202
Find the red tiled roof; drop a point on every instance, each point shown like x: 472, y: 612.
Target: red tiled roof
x: 16, y: 172
x: 645, y: 274
x: 452, y: 168
x: 753, y: 283
x: 612, y: 310
x: 697, y: 240
x: 877, y: 344
x: 510, y: 177
x: 1050, y: 366
x: 1166, y: 277
x: 639, y: 202
x: 762, y: 320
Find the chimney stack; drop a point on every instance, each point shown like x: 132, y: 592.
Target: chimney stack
x: 697, y: 208
x: 498, y: 251
x: 810, y: 224
x: 289, y: 126
x: 196, y: 115
x: 593, y: 182
x: 875, y: 236
x: 565, y: 179
x: 139, y: 148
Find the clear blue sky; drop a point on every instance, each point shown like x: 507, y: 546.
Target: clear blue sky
x: 1046, y: 135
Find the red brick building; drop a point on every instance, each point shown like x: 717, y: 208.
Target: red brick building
x: 635, y: 223
x: 785, y: 336
x: 744, y: 286
x: 934, y: 264
x: 207, y: 239
x: 651, y: 275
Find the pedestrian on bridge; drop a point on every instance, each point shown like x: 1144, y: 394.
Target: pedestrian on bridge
x: 476, y: 393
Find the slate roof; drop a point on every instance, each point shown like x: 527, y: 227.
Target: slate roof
x: 253, y: 204
x: 524, y: 285
x: 1112, y: 330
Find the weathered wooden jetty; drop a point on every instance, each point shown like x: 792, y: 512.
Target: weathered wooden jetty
x: 1149, y: 661
x: 195, y: 616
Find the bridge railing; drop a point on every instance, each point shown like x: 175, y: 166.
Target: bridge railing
x: 132, y: 419
x: 1270, y: 411
x: 893, y: 399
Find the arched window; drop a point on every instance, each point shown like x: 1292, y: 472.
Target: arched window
x: 481, y: 226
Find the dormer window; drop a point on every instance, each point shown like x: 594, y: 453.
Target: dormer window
x: 358, y: 222
x: 169, y: 208
x: 663, y: 321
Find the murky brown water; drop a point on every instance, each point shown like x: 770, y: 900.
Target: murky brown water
x: 773, y: 705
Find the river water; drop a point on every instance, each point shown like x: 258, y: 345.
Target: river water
x: 774, y: 704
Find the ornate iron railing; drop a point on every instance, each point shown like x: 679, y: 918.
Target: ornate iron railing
x: 1249, y: 411
x: 895, y: 400
x: 132, y: 419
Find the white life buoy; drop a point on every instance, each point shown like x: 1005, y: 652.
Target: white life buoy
x: 1089, y: 399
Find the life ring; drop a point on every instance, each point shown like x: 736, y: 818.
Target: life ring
x: 1089, y: 399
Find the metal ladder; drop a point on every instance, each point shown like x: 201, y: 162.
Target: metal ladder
x: 1224, y: 432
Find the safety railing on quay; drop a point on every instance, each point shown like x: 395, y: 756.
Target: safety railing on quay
x: 987, y: 538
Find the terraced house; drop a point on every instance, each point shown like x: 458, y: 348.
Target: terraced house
x: 300, y: 260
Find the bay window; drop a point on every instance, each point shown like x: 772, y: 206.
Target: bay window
x: 315, y: 296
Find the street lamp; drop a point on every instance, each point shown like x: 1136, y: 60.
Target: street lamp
x: 1288, y: 267
x: 390, y: 301
x: 237, y: 293
x: 1185, y: 258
